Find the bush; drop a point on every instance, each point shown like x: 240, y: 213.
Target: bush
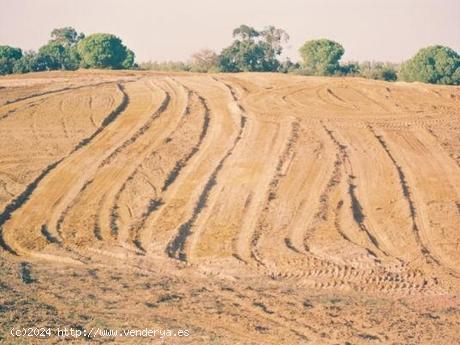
x: 58, y: 56
x: 434, y: 64
x: 165, y: 66
x: 287, y: 66
x: 321, y: 57
x: 104, y: 51
x: 203, y: 61
x: 8, y: 57
x: 378, y: 70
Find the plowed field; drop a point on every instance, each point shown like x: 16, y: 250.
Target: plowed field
x: 246, y: 208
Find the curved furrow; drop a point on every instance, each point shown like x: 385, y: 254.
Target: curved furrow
x: 263, y: 226
x: 356, y: 207
x: 27, y: 192
x: 226, y: 226
x: 179, y: 198
x: 151, y: 136
x: 388, y: 216
x: 435, y: 180
x: 32, y: 101
x: 63, y: 175
x: 150, y: 204
x: 176, y: 248
x: 57, y: 91
x: 111, y: 173
x: 185, y: 155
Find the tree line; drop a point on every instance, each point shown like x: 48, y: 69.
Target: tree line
x: 251, y: 51
x: 68, y: 50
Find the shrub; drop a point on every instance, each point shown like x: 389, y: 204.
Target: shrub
x: 435, y: 64
x: 321, y: 57
x: 172, y: 66
x: 204, y: 60
x: 378, y: 70
x: 8, y: 57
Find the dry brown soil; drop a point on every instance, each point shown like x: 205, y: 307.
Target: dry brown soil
x: 246, y: 208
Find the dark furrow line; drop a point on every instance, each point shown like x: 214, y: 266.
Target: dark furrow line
x: 273, y: 189
x: 114, y: 215
x: 108, y: 119
x: 27, y: 192
x: 63, y: 90
x: 357, y: 209
x: 155, y: 204
x: 407, y: 195
x: 140, y: 131
x: 180, y: 164
x: 97, y: 229
x: 176, y: 248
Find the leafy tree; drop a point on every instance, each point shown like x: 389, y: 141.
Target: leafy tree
x: 25, y: 63
x: 8, y: 57
x: 435, y: 64
x: 66, y: 36
x: 275, y: 37
x: 321, y: 57
x: 253, y: 50
x: 58, y: 56
x: 128, y: 62
x: 104, y: 51
x: 204, y: 60
x: 32, y: 62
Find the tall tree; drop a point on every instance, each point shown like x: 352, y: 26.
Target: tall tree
x: 104, y: 51
x: 434, y: 64
x: 253, y: 50
x: 321, y: 57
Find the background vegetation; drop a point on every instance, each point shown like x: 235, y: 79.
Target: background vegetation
x: 68, y: 50
x: 251, y: 51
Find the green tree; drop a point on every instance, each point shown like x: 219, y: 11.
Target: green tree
x: 128, y: 62
x: 321, y: 57
x: 32, y: 62
x: 58, y: 56
x: 8, y: 57
x: 435, y: 64
x: 253, y: 50
x: 103, y: 51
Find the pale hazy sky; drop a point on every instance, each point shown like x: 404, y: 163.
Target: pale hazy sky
x: 388, y: 30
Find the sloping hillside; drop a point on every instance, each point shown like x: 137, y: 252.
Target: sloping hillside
x: 247, y: 208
